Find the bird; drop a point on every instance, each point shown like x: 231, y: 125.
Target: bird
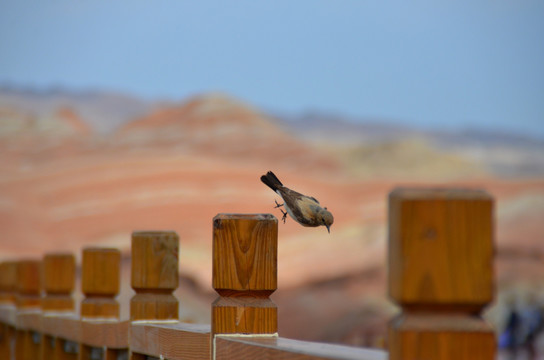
x: 305, y: 210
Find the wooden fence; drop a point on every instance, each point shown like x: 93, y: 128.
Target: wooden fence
x: 440, y: 273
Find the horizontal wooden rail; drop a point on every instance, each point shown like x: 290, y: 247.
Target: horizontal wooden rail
x: 172, y: 341
x: 233, y: 347
x: 440, y: 273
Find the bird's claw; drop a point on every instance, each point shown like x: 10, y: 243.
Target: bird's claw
x: 284, y: 217
x: 277, y: 205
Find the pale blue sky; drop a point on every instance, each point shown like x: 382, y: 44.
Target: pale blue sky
x: 432, y: 63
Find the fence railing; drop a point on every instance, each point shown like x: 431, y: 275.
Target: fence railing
x: 440, y: 273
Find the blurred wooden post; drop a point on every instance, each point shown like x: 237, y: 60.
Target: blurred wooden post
x: 100, y: 284
x: 28, y: 300
x: 245, y: 253
x: 8, y: 282
x: 440, y: 273
x: 154, y: 275
x: 8, y: 286
x: 58, y: 283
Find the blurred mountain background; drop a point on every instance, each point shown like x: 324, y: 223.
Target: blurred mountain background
x: 82, y: 169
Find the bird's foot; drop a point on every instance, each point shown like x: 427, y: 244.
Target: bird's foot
x: 277, y: 205
x: 284, y: 217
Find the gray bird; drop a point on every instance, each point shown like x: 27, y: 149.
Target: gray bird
x: 305, y: 210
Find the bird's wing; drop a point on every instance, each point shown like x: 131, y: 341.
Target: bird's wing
x: 303, y: 207
x: 309, y: 209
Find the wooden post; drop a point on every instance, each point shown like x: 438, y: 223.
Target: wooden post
x: 154, y: 275
x: 58, y: 283
x: 440, y: 273
x: 28, y: 301
x: 8, y: 282
x: 245, y: 254
x: 8, y: 286
x: 29, y: 285
x: 100, y: 283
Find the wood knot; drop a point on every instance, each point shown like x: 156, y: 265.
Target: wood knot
x: 429, y: 234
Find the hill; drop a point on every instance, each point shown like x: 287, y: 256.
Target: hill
x: 65, y: 185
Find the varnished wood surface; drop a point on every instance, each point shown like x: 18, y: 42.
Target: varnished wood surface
x: 109, y: 334
x: 245, y: 252
x: 441, y: 247
x: 66, y: 326
x: 276, y: 348
x: 177, y: 341
x: 441, y: 273
x: 59, y: 282
x: 155, y: 258
x: 441, y: 322
x: 245, y: 255
x: 29, y: 320
x: 100, y: 276
x: 25, y: 346
x: 100, y: 272
x: 244, y: 315
x: 29, y: 284
x: 6, y: 334
x: 447, y: 336
x: 8, y: 282
x: 59, y: 273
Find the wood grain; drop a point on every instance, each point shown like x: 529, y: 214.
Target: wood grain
x: 28, y: 315
x: 28, y: 320
x: 155, y: 258
x: 47, y: 348
x: 441, y: 273
x: 65, y: 326
x: 244, y: 315
x: 244, y: 273
x: 440, y: 247
x: 59, y: 281
x: 109, y: 334
x: 8, y: 282
x: 275, y: 348
x: 100, y: 282
x: 245, y: 252
x: 27, y: 345
x: 439, y: 336
x: 173, y: 341
x: 29, y: 284
x: 100, y: 325
x: 6, y: 334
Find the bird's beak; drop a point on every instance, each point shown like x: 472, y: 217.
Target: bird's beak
x: 328, y: 228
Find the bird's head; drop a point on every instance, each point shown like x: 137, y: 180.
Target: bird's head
x: 326, y: 219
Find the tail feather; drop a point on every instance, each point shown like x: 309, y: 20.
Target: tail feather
x: 271, y: 180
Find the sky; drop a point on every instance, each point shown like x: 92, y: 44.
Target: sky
x: 435, y: 64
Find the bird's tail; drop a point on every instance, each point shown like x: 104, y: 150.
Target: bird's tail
x: 271, y: 180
